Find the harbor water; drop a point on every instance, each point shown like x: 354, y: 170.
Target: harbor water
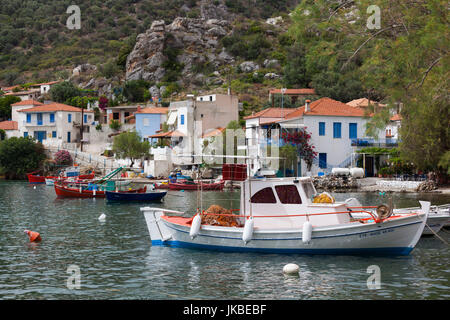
x: 113, y: 259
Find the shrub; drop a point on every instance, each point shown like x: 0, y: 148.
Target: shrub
x: 115, y: 125
x: 63, y: 157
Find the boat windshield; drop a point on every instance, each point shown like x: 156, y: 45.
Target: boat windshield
x: 309, y: 189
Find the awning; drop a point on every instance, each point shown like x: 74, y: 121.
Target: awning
x: 291, y: 125
x: 172, y: 118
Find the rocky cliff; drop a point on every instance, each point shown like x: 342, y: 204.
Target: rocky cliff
x: 195, y: 41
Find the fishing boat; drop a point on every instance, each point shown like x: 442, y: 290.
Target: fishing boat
x: 281, y: 215
x: 162, y: 185
x: 83, y: 191
x: 190, y: 185
x: 151, y: 196
x: 35, y: 178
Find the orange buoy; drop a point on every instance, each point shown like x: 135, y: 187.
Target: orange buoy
x: 34, y: 236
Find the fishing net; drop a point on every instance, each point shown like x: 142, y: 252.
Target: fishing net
x: 219, y: 216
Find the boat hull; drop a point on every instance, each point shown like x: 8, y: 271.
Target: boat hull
x: 35, y: 179
x: 140, y: 197
x: 66, y: 192
x: 196, y: 186
x: 393, y: 237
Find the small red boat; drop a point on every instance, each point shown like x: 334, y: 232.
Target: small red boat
x: 33, y: 178
x: 73, y: 192
x: 188, y: 185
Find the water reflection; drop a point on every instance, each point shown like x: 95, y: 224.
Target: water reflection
x: 117, y: 261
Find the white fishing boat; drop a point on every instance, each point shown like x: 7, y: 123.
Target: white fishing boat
x: 281, y: 215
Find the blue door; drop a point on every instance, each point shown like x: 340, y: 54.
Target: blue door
x: 68, y: 136
x: 322, y: 160
x: 39, y: 119
x: 40, y: 135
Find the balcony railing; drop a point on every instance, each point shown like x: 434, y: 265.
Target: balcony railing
x: 382, y: 143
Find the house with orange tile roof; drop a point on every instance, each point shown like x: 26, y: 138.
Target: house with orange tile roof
x: 335, y: 129
x: 55, y: 121
x: 10, y: 128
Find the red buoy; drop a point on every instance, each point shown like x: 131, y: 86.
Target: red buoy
x: 34, y: 236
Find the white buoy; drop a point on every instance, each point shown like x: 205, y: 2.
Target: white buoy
x: 102, y: 217
x: 307, y: 231
x: 247, y: 235
x: 195, y: 226
x: 291, y: 269
x: 34, y: 187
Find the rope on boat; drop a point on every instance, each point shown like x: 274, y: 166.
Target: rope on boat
x: 436, y: 234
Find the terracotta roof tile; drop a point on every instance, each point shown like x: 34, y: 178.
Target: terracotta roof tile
x: 271, y: 113
x: 304, y: 91
x: 396, y: 117
x: 53, y: 107
x: 9, y: 125
x: 27, y: 103
x: 153, y: 110
x: 327, y: 107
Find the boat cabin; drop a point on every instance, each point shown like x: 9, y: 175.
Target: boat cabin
x: 287, y: 203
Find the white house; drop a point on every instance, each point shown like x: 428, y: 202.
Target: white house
x: 335, y: 130
x: 55, y: 121
x: 10, y: 129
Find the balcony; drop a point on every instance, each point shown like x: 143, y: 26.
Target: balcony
x: 38, y: 123
x: 381, y: 143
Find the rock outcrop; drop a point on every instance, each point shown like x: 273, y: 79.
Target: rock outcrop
x: 195, y: 41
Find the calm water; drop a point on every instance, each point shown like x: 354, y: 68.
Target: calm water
x: 116, y: 260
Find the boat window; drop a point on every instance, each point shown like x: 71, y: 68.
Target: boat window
x: 309, y: 189
x: 264, y: 196
x: 288, y: 194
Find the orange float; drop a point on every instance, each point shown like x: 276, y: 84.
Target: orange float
x: 34, y: 236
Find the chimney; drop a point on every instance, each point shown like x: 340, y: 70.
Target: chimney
x: 307, y: 102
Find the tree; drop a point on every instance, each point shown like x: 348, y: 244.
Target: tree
x: 5, y: 106
x: 300, y: 139
x: 129, y: 145
x: 19, y: 156
x: 64, y: 91
x: 402, y: 62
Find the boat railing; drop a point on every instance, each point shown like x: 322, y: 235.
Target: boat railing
x: 373, y: 216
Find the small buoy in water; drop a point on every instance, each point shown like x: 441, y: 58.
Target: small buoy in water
x: 34, y: 236
x: 291, y: 269
x: 34, y: 187
x: 102, y: 217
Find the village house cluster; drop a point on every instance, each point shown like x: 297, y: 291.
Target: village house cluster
x: 337, y: 129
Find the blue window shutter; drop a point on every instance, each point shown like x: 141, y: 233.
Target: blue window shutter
x: 69, y: 118
x: 85, y: 118
x: 52, y: 117
x: 53, y: 134
x: 321, y: 128
x: 25, y: 134
x: 182, y: 119
x: 353, y: 130
x: 336, y: 130
x: 28, y: 117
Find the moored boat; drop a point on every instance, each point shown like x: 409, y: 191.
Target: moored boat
x: 279, y: 215
x: 188, y: 185
x: 85, y: 191
x: 151, y: 196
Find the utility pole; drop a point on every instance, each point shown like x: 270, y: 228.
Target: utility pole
x: 81, y: 141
